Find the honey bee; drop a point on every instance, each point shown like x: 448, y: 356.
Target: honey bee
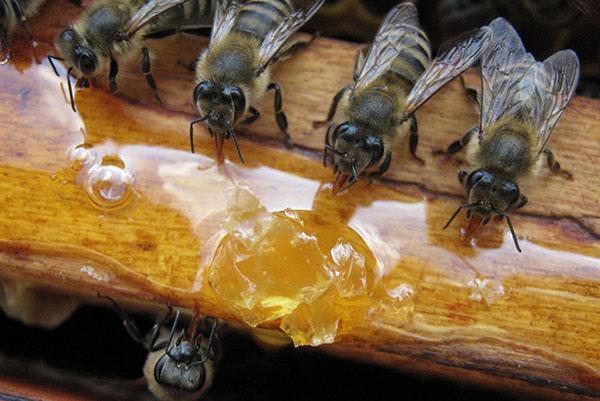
x: 114, y: 30
x: 180, y: 364
x: 12, y: 13
x: 521, y: 102
x: 235, y: 71
x: 390, y: 84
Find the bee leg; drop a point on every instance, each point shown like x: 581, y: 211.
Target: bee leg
x: 457, y: 146
x: 553, y: 165
x: 250, y: 119
x: 333, y: 107
x: 414, y: 140
x: 148, y: 74
x: 151, y: 338
x: 280, y: 115
x: 112, y: 75
x: 128, y: 322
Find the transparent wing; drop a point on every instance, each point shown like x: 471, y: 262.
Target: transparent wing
x: 398, y: 31
x: 225, y: 14
x: 515, y: 86
x: 275, y: 39
x: 148, y: 12
x: 562, y: 76
x: 503, y: 64
x: 460, y: 55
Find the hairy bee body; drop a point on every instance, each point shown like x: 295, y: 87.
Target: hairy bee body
x: 380, y: 107
x: 507, y: 151
x: 235, y: 71
x: 521, y: 102
x: 100, y: 25
x: 235, y: 59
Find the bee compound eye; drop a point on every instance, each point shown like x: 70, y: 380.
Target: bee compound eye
x: 87, y: 64
x: 475, y: 177
x: 201, y: 89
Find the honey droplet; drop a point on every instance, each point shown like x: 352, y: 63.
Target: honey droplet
x: 80, y: 157
x: 486, y: 290
x: 394, y: 302
x: 109, y: 185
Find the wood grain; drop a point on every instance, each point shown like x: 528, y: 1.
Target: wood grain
x: 541, y: 334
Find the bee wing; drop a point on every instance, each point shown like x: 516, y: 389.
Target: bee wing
x: 504, y: 64
x: 275, y: 39
x: 397, y: 32
x: 562, y: 74
x: 462, y: 53
x: 225, y: 14
x: 148, y: 12
x: 516, y: 86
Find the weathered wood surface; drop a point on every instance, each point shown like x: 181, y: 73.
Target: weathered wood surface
x: 539, y: 331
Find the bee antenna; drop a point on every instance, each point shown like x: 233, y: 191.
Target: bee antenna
x: 457, y: 211
x: 235, y: 142
x: 510, y: 226
x: 51, y: 59
x: 209, y: 346
x: 69, y: 72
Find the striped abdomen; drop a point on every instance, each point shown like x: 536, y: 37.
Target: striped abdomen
x: 191, y: 14
x: 410, y: 62
x: 258, y: 17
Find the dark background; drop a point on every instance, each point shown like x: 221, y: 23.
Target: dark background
x: 94, y: 344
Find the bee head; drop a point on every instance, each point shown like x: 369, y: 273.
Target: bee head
x: 221, y: 105
x: 182, y: 367
x: 487, y: 194
x: 353, y: 151
x: 71, y: 45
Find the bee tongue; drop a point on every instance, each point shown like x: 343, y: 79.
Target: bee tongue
x: 339, y: 183
x: 219, y: 147
x: 474, y: 223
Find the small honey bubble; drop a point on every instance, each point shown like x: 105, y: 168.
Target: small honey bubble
x: 80, y: 157
x: 110, y: 184
x: 53, y: 176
